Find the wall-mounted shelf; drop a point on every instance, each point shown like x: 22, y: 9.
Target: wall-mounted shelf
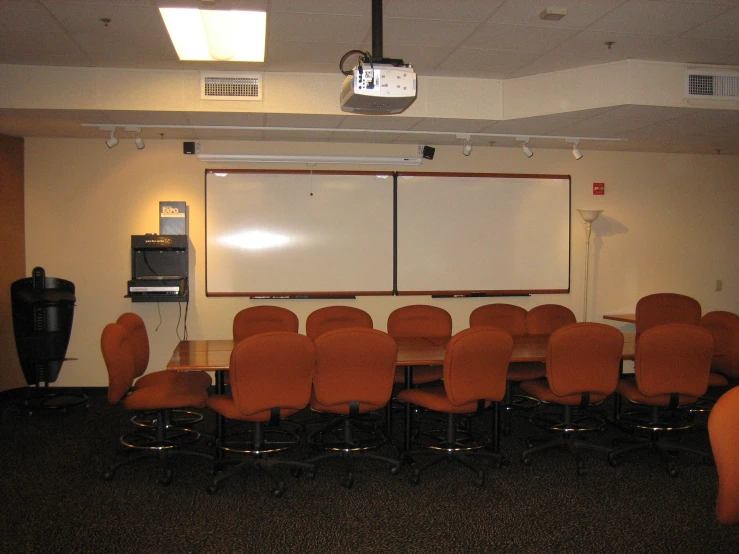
x: 159, y: 268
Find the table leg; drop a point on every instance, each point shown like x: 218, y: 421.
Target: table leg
x: 220, y: 430
x: 408, y: 410
x: 616, y: 396
x: 495, y: 432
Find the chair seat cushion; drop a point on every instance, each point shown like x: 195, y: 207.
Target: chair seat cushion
x: 197, y: 379
x: 717, y: 380
x: 225, y: 405
x: 627, y: 388
x: 435, y: 398
x: 525, y: 371
x: 422, y: 374
x: 166, y: 396
x: 342, y: 408
x: 540, y: 389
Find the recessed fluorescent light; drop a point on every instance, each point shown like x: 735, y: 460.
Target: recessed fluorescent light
x: 216, y: 35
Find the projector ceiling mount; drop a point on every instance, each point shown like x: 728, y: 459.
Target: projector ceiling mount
x: 377, y: 85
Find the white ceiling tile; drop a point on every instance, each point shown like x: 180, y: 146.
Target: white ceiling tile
x: 650, y: 17
x: 491, y: 36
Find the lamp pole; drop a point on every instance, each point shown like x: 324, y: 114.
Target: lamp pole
x: 588, y: 217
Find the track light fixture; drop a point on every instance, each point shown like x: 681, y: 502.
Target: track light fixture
x: 113, y: 140
x: 138, y: 141
x: 575, y: 147
x: 525, y: 144
x: 467, y: 145
x: 576, y: 152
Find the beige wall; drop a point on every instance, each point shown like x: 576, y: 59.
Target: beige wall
x: 669, y: 225
x: 12, y: 254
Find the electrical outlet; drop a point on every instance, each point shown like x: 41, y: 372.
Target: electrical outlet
x: 719, y: 285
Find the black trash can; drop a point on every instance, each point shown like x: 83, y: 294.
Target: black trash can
x: 43, y: 311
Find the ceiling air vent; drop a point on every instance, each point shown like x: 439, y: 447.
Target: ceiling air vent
x: 714, y: 85
x: 231, y: 86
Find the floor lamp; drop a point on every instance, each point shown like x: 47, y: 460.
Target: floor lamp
x: 588, y: 216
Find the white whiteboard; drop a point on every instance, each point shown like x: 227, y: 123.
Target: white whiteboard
x: 298, y: 233
x: 480, y: 233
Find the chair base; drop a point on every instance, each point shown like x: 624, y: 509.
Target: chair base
x: 345, y: 440
x: 568, y: 442
x: 160, y: 443
x: 454, y: 444
x: 259, y: 441
x: 568, y: 423
x: 179, y: 418
x: 658, y: 423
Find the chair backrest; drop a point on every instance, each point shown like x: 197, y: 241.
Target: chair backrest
x: 666, y: 307
x: 723, y: 432
x: 674, y: 358
x: 475, y: 365
x: 272, y: 370
x: 547, y: 318
x: 139, y: 340
x: 419, y: 320
x: 335, y: 317
x: 724, y: 326
x: 263, y: 319
x: 355, y: 364
x: 504, y: 316
x: 584, y: 357
x: 119, y: 360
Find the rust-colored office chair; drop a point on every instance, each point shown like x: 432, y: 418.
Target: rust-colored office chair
x: 475, y: 366
x: 512, y: 319
x: 724, y: 326
x: 271, y: 376
x: 582, y: 370
x: 666, y: 307
x: 164, y: 440
x: 671, y: 366
x: 723, y: 432
x: 547, y: 318
x: 335, y: 317
x: 354, y: 376
x: 420, y: 320
x: 263, y: 319
x: 139, y: 339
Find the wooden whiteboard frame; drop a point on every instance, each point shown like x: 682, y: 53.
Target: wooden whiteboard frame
x: 338, y: 226
x: 443, y: 229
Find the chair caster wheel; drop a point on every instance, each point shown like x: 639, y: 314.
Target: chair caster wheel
x: 394, y: 470
x: 166, y: 479
x: 581, y: 468
x: 348, y: 481
x: 673, y: 470
x: 612, y: 460
x: 526, y: 460
x: 415, y: 478
x: 109, y: 475
x: 212, y: 489
x: 296, y: 472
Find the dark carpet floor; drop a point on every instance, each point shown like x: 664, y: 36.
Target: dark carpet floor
x: 55, y: 500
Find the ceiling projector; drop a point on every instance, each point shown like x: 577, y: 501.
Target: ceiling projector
x: 378, y: 89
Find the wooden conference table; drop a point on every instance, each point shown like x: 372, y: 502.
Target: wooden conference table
x: 214, y: 355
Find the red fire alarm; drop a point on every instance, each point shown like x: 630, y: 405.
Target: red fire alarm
x: 599, y: 189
